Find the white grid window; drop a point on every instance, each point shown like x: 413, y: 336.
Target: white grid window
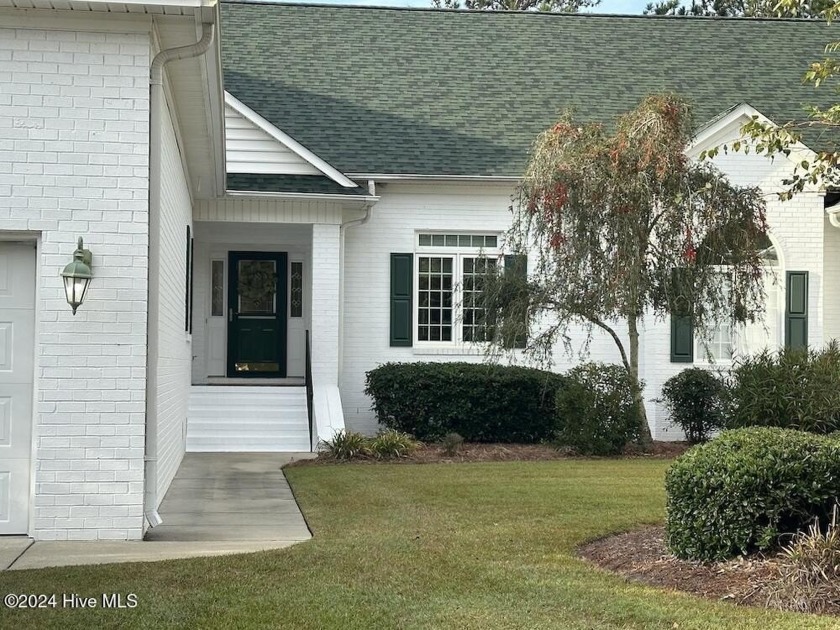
x: 449, y: 274
x: 435, y: 298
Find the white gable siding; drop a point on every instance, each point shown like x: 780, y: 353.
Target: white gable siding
x: 74, y: 162
x: 174, y: 354
x: 249, y: 149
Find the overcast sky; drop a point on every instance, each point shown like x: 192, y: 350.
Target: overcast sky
x: 606, y: 6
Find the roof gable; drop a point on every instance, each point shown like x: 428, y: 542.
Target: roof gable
x: 254, y: 145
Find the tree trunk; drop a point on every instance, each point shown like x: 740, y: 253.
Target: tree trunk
x: 645, y: 438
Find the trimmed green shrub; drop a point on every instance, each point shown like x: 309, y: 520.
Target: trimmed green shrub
x: 390, y: 444
x: 596, y: 414
x: 696, y: 400
x: 741, y: 491
x: 794, y: 389
x: 481, y: 402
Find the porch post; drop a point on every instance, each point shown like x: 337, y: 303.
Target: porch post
x: 329, y: 416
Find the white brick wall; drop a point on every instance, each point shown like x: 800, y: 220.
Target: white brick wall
x: 402, y: 211
x: 797, y: 225
x: 831, y: 281
x: 74, y: 162
x: 174, y: 351
x: 325, y: 304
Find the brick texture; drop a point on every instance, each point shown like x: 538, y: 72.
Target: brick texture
x: 74, y: 162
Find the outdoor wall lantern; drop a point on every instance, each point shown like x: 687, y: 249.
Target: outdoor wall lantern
x: 77, y: 276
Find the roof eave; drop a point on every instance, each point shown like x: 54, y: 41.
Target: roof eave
x: 363, y: 199
x: 395, y: 177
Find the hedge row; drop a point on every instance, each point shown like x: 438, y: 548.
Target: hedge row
x: 481, y: 402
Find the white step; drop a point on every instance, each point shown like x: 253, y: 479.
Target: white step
x: 224, y: 418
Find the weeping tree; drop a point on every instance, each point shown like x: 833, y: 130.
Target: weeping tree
x: 622, y: 225
x: 739, y: 8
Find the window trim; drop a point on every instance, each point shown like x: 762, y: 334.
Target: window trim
x: 457, y: 254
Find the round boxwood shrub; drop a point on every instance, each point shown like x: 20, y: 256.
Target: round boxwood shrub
x: 696, y: 399
x: 481, y: 402
x: 741, y: 491
x: 596, y: 414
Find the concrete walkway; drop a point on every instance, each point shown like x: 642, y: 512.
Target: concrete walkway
x: 218, y: 503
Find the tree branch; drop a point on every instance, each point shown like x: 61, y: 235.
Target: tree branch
x: 613, y: 334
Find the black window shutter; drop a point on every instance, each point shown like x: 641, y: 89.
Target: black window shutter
x: 402, y: 284
x: 796, y: 309
x: 682, y: 327
x: 517, y: 265
x: 682, y: 339
x: 192, y: 280
x: 187, y: 287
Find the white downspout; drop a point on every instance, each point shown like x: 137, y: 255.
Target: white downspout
x: 157, y: 102
x: 368, y: 210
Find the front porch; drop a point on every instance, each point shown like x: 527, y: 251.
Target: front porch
x: 266, y: 277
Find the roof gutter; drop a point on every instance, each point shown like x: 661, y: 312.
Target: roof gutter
x: 157, y: 103
x: 366, y: 199
x: 397, y: 177
x: 368, y: 210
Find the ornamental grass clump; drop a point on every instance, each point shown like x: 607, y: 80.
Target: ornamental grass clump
x: 345, y: 445
x: 391, y: 444
x: 387, y: 444
x: 809, y: 571
x: 744, y: 490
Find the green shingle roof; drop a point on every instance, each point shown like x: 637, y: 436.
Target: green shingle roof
x: 377, y: 90
x: 313, y: 184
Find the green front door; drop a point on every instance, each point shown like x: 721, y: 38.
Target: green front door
x: 257, y: 314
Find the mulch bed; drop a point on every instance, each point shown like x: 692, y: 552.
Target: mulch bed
x: 471, y: 452
x: 642, y: 556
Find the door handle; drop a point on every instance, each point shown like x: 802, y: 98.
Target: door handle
x: 230, y: 314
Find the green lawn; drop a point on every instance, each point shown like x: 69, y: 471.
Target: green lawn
x: 417, y: 546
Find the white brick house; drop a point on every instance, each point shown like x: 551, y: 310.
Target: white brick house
x: 277, y: 182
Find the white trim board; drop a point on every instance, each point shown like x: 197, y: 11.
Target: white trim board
x: 307, y: 163
x: 720, y: 130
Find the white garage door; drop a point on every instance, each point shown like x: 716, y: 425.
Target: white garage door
x: 17, y: 349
